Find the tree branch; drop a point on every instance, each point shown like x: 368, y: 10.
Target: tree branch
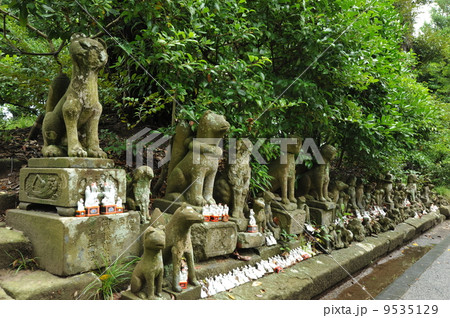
x: 106, y: 27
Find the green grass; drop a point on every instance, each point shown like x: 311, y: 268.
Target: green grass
x: 444, y: 191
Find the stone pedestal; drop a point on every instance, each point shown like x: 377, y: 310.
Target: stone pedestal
x: 292, y: 221
x: 212, y: 239
x: 250, y: 240
x: 167, y: 206
x: 61, y: 182
x: 321, y: 213
x: 70, y: 245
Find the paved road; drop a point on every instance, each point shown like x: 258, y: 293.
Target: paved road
x: 428, y: 278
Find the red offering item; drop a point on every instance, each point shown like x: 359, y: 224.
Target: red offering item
x: 119, y: 210
x: 183, y: 285
x: 108, y: 209
x: 207, y: 218
x: 252, y: 228
x: 93, y: 211
x: 225, y: 218
x: 215, y: 218
x: 80, y: 214
x: 278, y: 269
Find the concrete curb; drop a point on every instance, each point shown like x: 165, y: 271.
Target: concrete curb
x: 401, y: 285
x: 314, y: 276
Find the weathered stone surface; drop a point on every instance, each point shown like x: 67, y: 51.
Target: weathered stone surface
x: 128, y: 295
x: 39, y: 285
x: 408, y: 230
x: 395, y: 238
x: 354, y: 257
x: 167, y: 206
x: 249, y: 240
x: 63, y: 187
x: 70, y: 245
x: 291, y: 221
x: 12, y: 244
x: 378, y: 246
x: 70, y: 162
x: 211, y: 239
x: 422, y: 224
x: 445, y: 210
x: 8, y: 200
x: 328, y: 205
x: 4, y: 295
x: 190, y: 293
x: 321, y: 217
x: 294, y: 286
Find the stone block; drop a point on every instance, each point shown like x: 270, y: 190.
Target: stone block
x: 167, y: 206
x: 408, y: 230
x: 327, y: 206
x: 240, y: 223
x: 190, y: 293
x: 321, y: 217
x: 128, y: 295
x: 71, y: 162
x: 445, y: 210
x: 63, y: 187
x: 8, y: 200
x: 395, y: 238
x: 212, y: 239
x: 13, y: 245
x: 40, y: 285
x: 250, y: 240
x: 71, y: 245
x: 4, y: 295
x: 293, y: 222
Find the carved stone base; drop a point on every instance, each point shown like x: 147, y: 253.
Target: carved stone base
x: 190, y: 293
x: 321, y: 217
x: 61, y: 182
x: 167, y: 206
x: 212, y: 239
x: 250, y: 240
x: 240, y: 223
x: 70, y: 245
x: 128, y: 295
x: 291, y: 221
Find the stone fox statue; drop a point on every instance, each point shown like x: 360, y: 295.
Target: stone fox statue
x: 232, y: 186
x: 315, y: 181
x: 138, y: 191
x: 72, y: 119
x: 179, y: 245
x: 193, y: 173
x: 283, y: 173
x: 147, y: 277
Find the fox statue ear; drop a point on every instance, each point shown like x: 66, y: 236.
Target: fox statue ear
x: 77, y: 35
x: 103, y: 43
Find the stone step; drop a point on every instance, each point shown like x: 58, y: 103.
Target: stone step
x: 13, y: 245
x: 37, y: 285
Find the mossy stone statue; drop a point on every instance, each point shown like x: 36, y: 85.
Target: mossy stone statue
x: 138, y: 191
x: 315, y: 181
x: 232, y: 186
x: 356, y: 227
x: 179, y: 245
x: 283, y: 173
x: 147, y: 277
x: 70, y: 125
x: 192, y: 178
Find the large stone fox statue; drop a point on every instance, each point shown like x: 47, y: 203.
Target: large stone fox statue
x: 72, y: 119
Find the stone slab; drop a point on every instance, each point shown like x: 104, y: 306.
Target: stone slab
x: 320, y: 217
x: 395, y: 238
x: 8, y: 200
x: 408, y: 230
x: 250, y: 240
x: 167, y: 206
x: 293, y: 222
x: 13, y: 245
x: 210, y: 239
x: 421, y: 224
x: 190, y: 293
x: 4, y: 295
x: 70, y: 245
x: 445, y: 210
x: 70, y: 162
x: 63, y: 187
x: 353, y: 258
x: 39, y: 285
x: 327, y: 206
x: 128, y: 295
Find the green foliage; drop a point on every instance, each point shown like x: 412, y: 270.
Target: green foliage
x: 285, y: 240
x: 23, y: 262
x: 113, y: 277
x: 333, y: 70
x: 260, y: 180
